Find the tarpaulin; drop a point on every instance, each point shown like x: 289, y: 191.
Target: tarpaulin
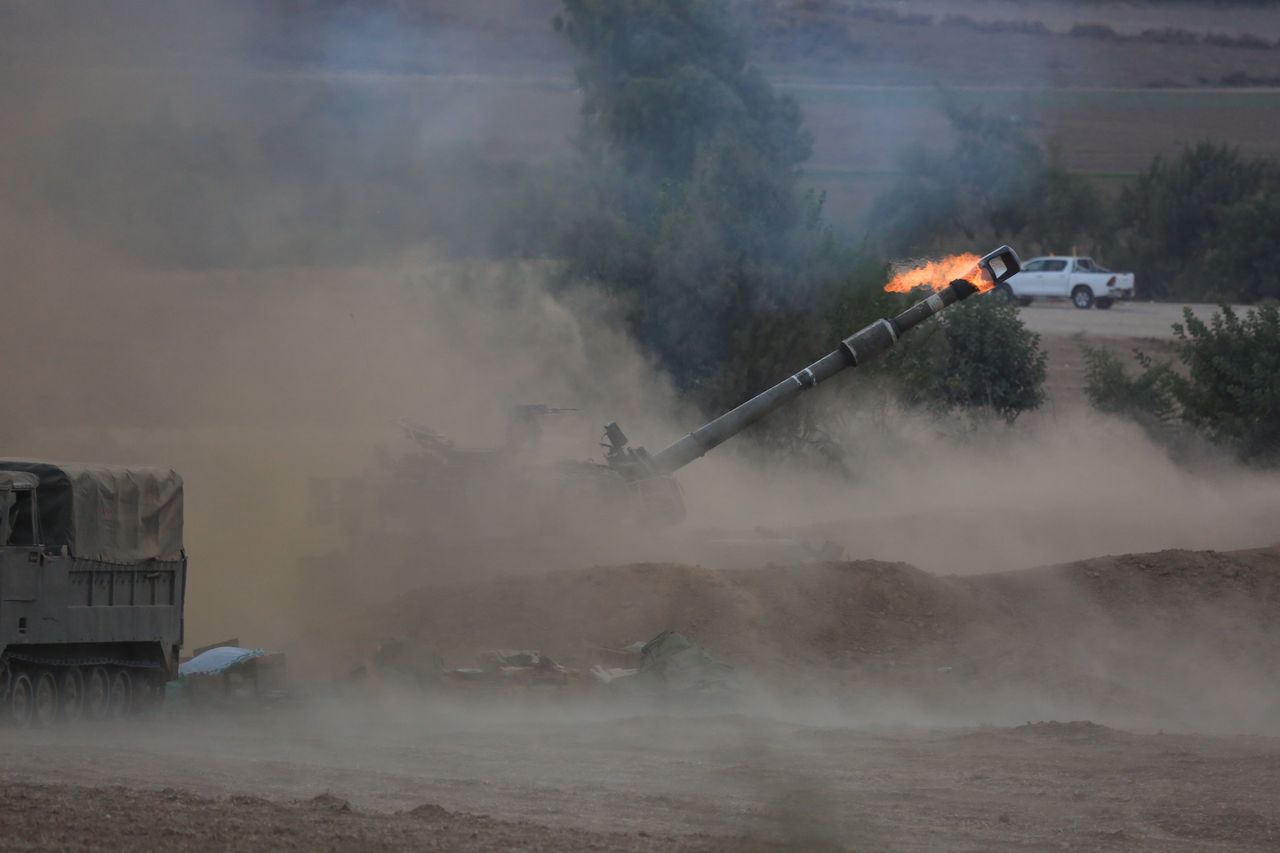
x: 107, y: 513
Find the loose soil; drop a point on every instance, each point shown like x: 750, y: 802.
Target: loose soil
x: 1124, y: 637
x: 115, y: 817
x: 418, y: 777
x: 884, y: 709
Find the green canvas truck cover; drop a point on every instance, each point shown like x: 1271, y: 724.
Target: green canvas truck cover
x: 107, y: 513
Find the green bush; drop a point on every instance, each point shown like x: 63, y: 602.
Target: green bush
x: 978, y: 355
x: 1146, y: 397
x: 1231, y: 390
x: 1228, y: 389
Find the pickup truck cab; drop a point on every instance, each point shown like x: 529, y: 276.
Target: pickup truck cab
x: 1079, y: 279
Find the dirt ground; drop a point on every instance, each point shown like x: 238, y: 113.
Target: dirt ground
x: 139, y: 819
x: 1065, y: 333
x: 1121, y: 703
x: 554, y: 778
x: 1137, y: 320
x: 1117, y: 639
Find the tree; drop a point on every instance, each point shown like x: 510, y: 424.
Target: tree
x: 695, y: 220
x: 662, y: 78
x: 1244, y: 265
x: 996, y: 184
x: 1202, y: 225
x: 696, y: 223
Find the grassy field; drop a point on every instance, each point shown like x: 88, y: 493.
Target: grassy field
x: 497, y: 80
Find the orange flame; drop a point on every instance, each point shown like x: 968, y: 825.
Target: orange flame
x: 938, y: 274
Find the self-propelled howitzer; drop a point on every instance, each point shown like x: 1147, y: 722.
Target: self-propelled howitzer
x: 637, y: 465
x: 469, y: 511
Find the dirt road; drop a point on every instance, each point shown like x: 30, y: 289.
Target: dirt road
x: 1136, y: 320
x: 1066, y: 331
x: 619, y: 782
x: 116, y: 817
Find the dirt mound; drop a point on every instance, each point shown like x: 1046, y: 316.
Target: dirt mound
x: 1161, y: 636
x: 836, y: 612
x: 1183, y: 611
x: 1075, y: 730
x: 817, y: 614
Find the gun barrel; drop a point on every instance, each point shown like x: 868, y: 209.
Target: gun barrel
x: 856, y: 349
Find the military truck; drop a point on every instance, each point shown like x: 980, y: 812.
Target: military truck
x: 92, y: 576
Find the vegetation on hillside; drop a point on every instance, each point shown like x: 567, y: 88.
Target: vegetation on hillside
x: 1200, y: 225
x: 996, y: 185
x: 1226, y: 386
x: 1203, y: 226
x: 694, y: 218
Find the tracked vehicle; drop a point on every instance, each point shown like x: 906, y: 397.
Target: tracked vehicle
x: 448, y: 513
x: 92, y: 576
x: 632, y: 479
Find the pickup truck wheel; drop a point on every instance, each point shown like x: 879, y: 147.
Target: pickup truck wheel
x: 1104, y: 303
x: 1082, y: 297
x: 1005, y: 294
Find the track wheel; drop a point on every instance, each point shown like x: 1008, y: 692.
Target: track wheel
x: 44, y: 708
x: 120, y: 695
x: 21, y: 699
x: 97, y: 691
x: 71, y: 694
x: 1082, y: 297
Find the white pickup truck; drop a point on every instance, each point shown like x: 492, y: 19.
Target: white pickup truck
x: 1079, y: 279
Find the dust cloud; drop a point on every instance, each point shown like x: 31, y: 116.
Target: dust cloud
x: 981, y: 496
x: 250, y: 275
x: 240, y: 273
x: 251, y: 383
